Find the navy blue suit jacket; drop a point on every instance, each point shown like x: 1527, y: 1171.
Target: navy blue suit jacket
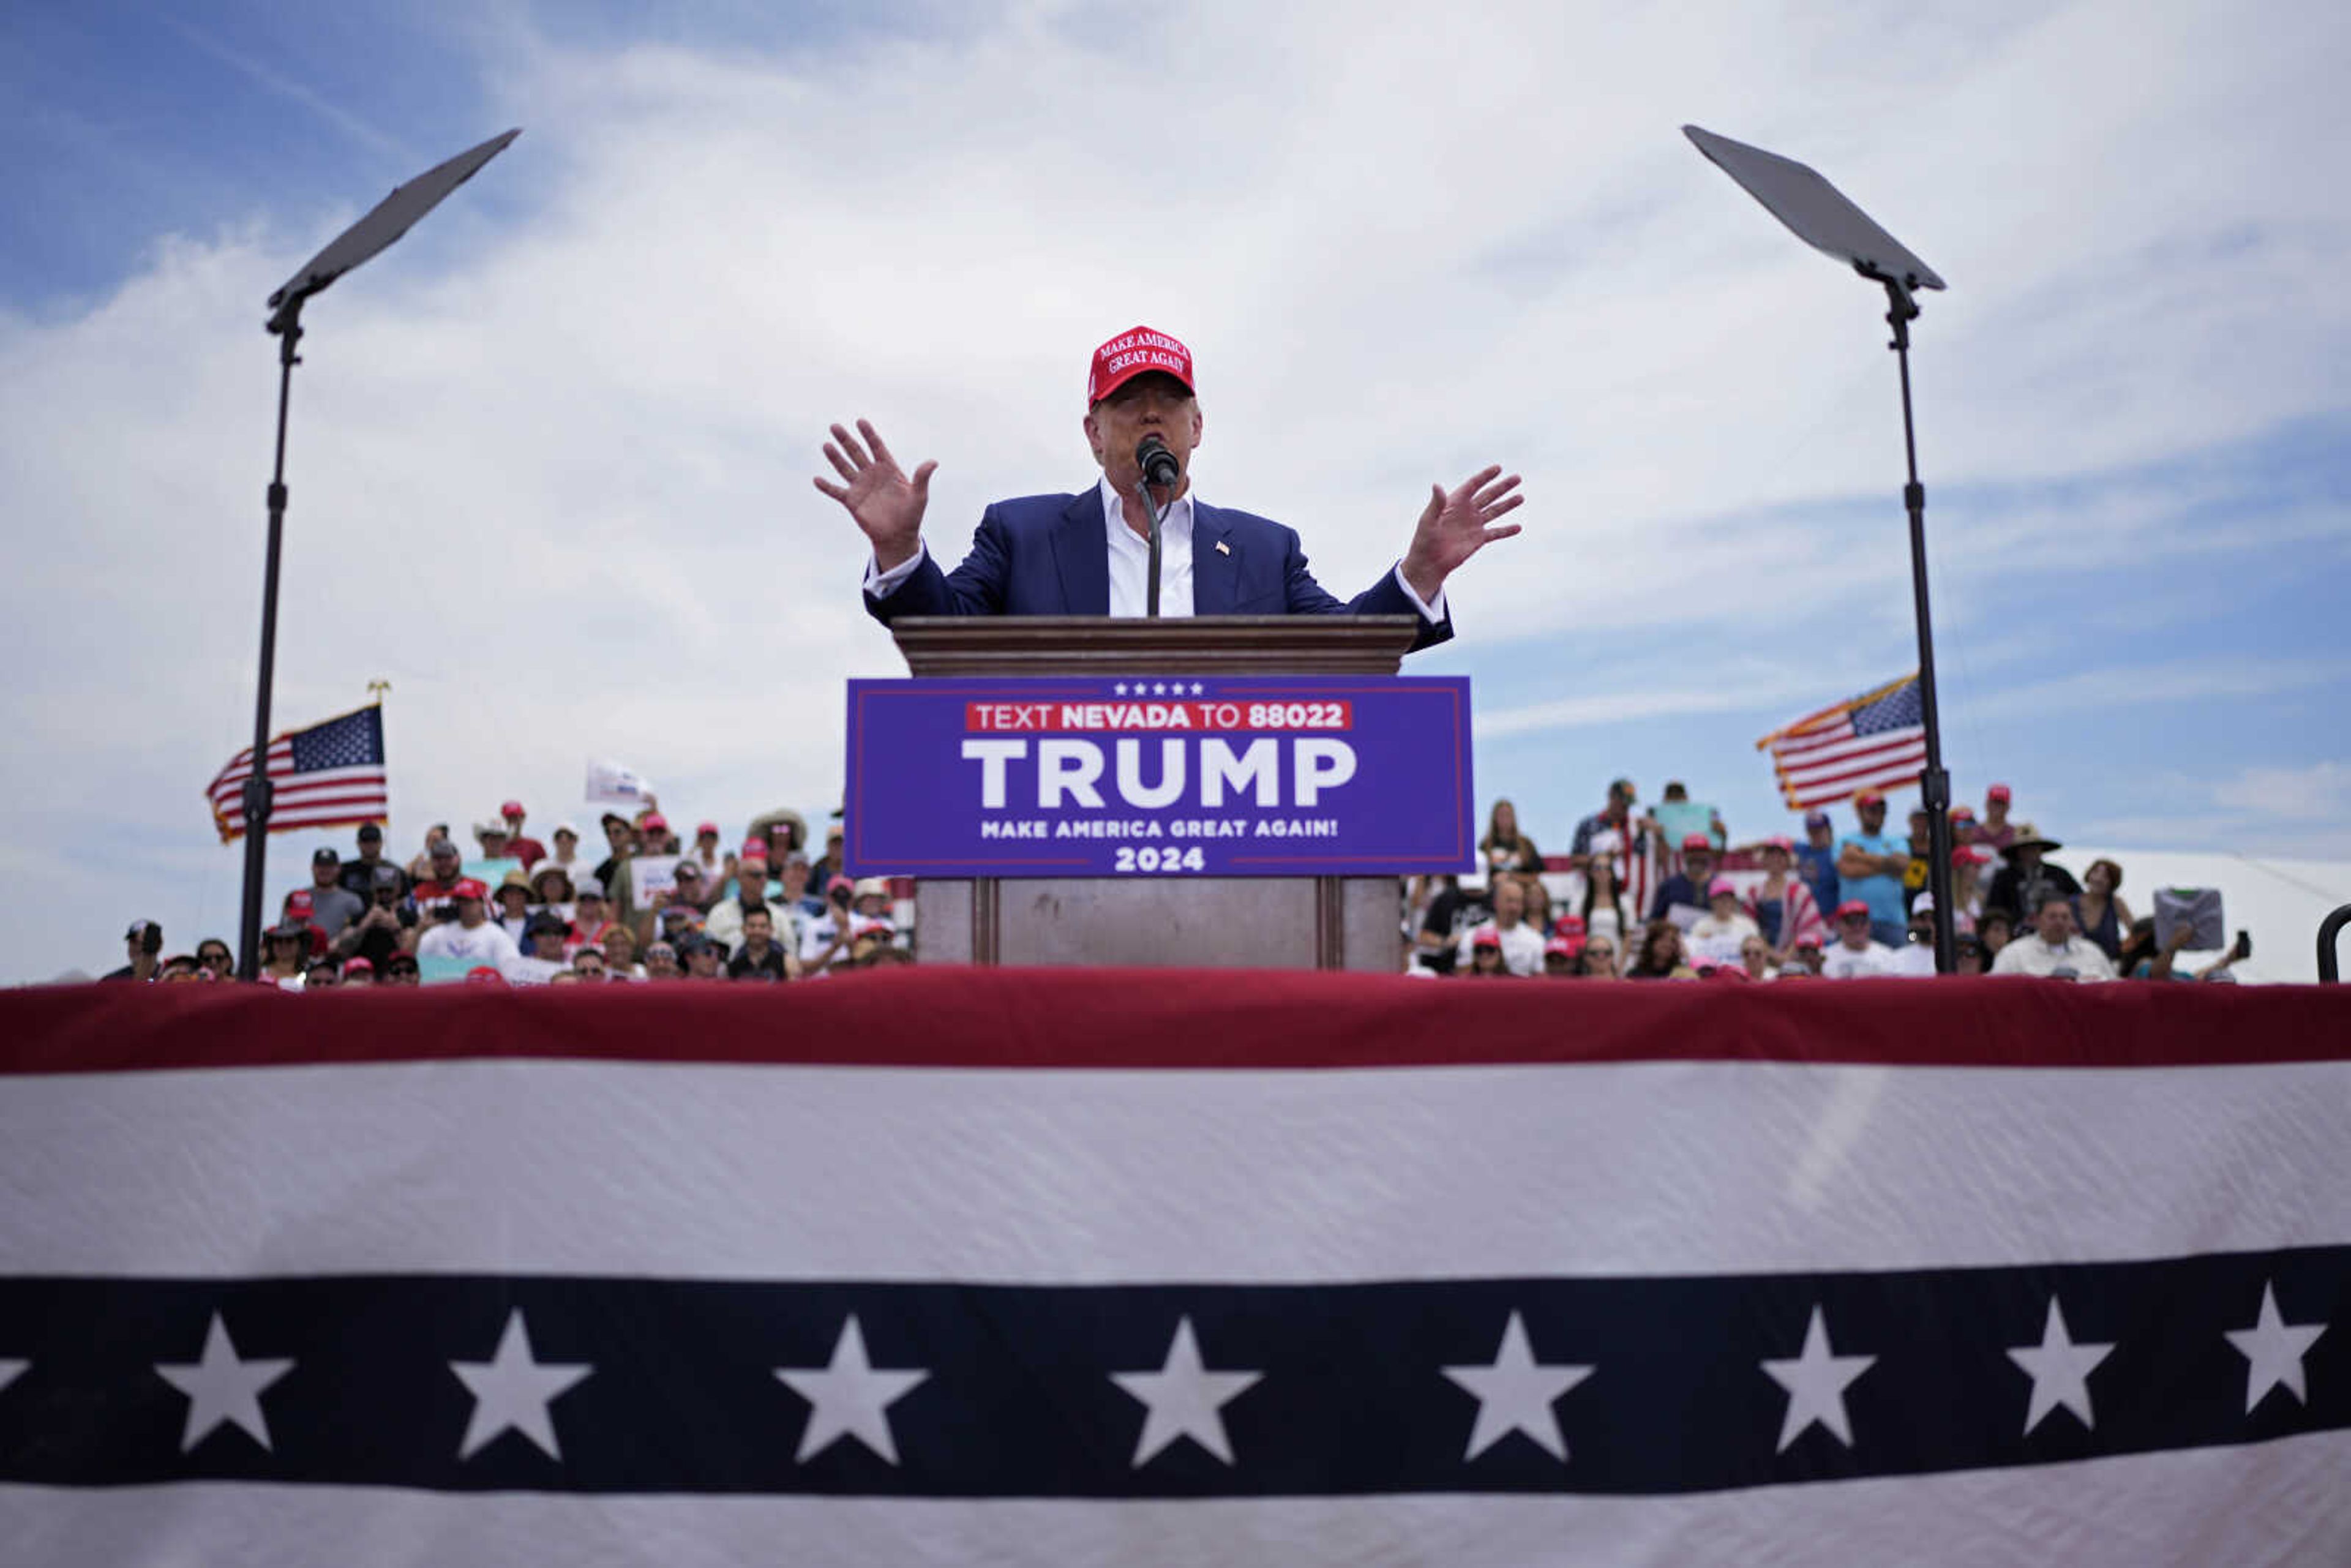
x: 1045, y: 555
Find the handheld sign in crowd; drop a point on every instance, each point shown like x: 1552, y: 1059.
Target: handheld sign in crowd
x: 1160, y: 775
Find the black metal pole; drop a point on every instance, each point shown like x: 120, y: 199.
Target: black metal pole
x: 288, y: 325
x: 1935, y: 783
x: 1151, y: 587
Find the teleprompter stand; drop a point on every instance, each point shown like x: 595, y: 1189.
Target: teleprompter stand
x: 1820, y: 215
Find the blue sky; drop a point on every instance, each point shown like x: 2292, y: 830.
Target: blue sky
x: 549, y: 455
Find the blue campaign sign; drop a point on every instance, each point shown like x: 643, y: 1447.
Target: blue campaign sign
x: 1160, y: 775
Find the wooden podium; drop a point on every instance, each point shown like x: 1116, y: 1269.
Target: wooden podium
x: 1253, y: 923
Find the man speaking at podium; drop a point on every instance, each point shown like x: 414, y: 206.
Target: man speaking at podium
x: 1089, y: 554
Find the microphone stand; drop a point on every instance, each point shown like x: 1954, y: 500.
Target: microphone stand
x: 1151, y: 586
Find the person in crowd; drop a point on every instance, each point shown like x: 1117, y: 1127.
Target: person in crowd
x: 472, y: 936
x: 653, y: 835
x: 1599, y: 958
x: 2027, y: 878
x: 1995, y: 831
x: 1661, y: 956
x: 1782, y: 903
x: 1963, y: 823
x: 1968, y: 955
x: 1806, y: 960
x: 1870, y: 868
x: 399, y: 969
x: 588, y: 965
x: 552, y: 890
x: 1915, y: 878
x: 620, y: 838
x: 180, y: 968
x: 332, y: 905
x: 1521, y: 944
x: 1996, y: 929
x: 2099, y: 911
x: 661, y: 962
x: 542, y: 950
x: 520, y: 845
x: 704, y: 961
x: 620, y: 945
x: 2054, y: 949
x: 566, y: 839
x: 422, y: 866
x: 590, y: 915
x: 1723, y: 931
x: 1615, y: 818
x: 1453, y: 911
x: 1537, y: 915
x: 829, y: 938
x: 1486, y: 962
x: 1915, y: 959
x: 1563, y: 958
x: 2145, y: 958
x: 1601, y: 908
x: 1816, y: 863
x: 492, y: 836
x: 287, y: 955
x: 357, y: 875
x: 1686, y: 887
x: 213, y: 953
x: 322, y: 974
x: 386, y: 926
x: 1858, y: 954
x: 358, y: 972
x: 759, y: 958
x: 725, y: 923
x: 296, y: 908
x: 1505, y: 848
x: 143, y: 947
x: 513, y: 901
x: 713, y: 862
x: 829, y: 864
x: 433, y: 892
x: 795, y: 892
x: 1967, y: 885
x: 1756, y: 957
x: 690, y: 891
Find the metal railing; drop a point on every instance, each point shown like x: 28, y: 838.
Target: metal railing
x: 2330, y: 971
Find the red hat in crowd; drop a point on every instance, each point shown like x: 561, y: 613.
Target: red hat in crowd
x: 510, y: 809
x: 357, y: 967
x: 1963, y: 814
x: 1722, y: 887
x: 1697, y: 842
x: 754, y: 850
x: 1968, y: 854
x: 1851, y: 907
x: 300, y: 902
x: 1560, y: 947
x: 1869, y: 798
x: 839, y: 884
x: 1135, y: 352
x: 1780, y: 842
x: 652, y: 822
x: 469, y: 887
x: 1568, y: 925
x: 1486, y: 936
x: 1997, y: 793
x: 707, y: 830
x: 485, y: 974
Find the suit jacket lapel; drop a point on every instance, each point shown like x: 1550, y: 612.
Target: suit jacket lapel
x: 1081, y: 553
x: 1214, y: 570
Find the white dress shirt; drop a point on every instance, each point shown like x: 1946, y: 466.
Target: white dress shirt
x: 1130, y: 564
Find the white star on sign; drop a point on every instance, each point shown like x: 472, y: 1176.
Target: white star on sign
x: 511, y: 1392
x: 2274, y: 1350
x: 221, y: 1388
x: 1183, y: 1398
x: 1815, y: 1381
x: 849, y: 1397
x: 1198, y: 688
x: 2060, y: 1370
x: 1119, y: 690
x: 1159, y: 688
x: 1515, y: 1395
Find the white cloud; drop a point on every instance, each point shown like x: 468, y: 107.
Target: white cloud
x: 2320, y: 793
x: 558, y: 490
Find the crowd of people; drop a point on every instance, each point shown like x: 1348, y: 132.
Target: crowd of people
x: 1623, y: 903
x: 1626, y: 903
x: 655, y: 906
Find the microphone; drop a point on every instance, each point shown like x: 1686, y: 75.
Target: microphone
x: 1158, y: 464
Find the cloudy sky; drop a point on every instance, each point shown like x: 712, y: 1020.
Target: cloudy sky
x: 550, y: 456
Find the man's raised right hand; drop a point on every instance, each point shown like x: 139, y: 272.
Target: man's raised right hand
x: 887, y: 506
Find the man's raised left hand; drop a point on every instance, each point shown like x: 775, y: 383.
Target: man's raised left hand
x: 1457, y: 523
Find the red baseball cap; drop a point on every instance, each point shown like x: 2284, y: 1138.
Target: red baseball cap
x: 1868, y: 798
x: 1486, y: 936
x: 300, y: 902
x: 710, y: 827
x: 469, y: 887
x: 511, y: 808
x: 1968, y: 854
x: 754, y: 850
x: 1997, y: 793
x: 357, y: 967
x: 1563, y: 947
x: 1697, y: 842
x: 1851, y: 907
x: 652, y: 822
x: 1568, y: 925
x: 1779, y: 841
x: 1134, y: 353
x: 1966, y: 812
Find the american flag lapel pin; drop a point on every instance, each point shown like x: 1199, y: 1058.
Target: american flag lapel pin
x: 1221, y: 549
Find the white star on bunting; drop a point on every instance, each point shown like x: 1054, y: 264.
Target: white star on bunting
x: 2274, y: 1349
x: 2060, y: 1370
x: 512, y: 1390
x: 1183, y: 1398
x: 1815, y: 1381
x: 850, y: 1397
x: 221, y: 1388
x: 1515, y: 1395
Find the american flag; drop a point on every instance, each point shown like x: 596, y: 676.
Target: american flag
x: 327, y: 775
x: 1874, y: 741
x: 1064, y: 1267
